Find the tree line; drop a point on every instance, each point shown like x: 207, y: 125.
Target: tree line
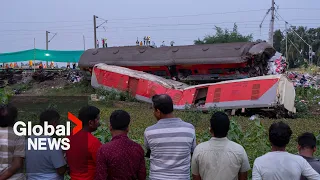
x: 297, y: 49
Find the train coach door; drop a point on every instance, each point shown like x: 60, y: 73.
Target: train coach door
x: 133, y: 85
x: 200, y: 96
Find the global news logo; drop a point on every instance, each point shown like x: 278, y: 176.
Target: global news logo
x: 43, y: 134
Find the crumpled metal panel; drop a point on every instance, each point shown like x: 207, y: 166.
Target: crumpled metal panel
x: 262, y: 47
x: 223, y: 53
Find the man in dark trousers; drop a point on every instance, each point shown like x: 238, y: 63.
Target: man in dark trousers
x: 121, y: 158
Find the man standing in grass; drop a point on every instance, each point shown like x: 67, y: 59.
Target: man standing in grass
x: 170, y: 142
x: 46, y: 164
x: 12, y: 147
x: 307, y: 145
x: 121, y: 158
x: 220, y: 158
x: 81, y: 156
x: 279, y: 164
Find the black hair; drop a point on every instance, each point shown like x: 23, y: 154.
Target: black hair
x: 49, y: 116
x: 280, y: 134
x: 87, y: 114
x: 8, y: 115
x: 163, y: 103
x: 220, y: 124
x: 307, y: 140
x: 119, y: 120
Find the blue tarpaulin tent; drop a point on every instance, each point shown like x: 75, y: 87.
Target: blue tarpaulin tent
x: 42, y: 55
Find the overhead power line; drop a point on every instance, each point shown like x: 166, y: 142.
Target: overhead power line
x: 189, y: 15
x: 310, y: 47
x: 42, y: 22
x: 240, y: 24
x: 159, y: 17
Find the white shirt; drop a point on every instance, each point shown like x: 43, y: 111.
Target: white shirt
x: 280, y: 165
x: 219, y: 159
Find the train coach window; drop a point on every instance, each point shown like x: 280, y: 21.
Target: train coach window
x: 185, y: 72
x: 216, y: 71
x: 160, y: 73
x: 195, y: 71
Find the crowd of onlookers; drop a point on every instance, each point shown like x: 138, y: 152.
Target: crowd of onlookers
x: 170, y: 145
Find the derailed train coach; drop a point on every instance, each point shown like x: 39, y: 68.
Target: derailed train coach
x: 274, y: 95
x: 200, y: 63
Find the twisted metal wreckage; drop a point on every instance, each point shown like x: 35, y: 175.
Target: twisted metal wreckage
x: 196, y: 63
x: 273, y: 93
x: 242, y: 69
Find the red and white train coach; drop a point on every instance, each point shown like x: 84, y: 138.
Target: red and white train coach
x: 271, y: 91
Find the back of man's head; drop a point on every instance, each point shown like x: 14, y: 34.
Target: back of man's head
x: 51, y: 116
x: 280, y: 134
x: 119, y: 120
x: 163, y: 103
x: 220, y: 124
x: 8, y: 115
x: 307, y: 141
x: 87, y: 114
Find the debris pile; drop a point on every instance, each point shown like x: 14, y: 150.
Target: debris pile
x: 10, y: 77
x: 277, y: 64
x: 69, y: 75
x: 304, y: 80
x: 42, y: 75
x: 74, y: 76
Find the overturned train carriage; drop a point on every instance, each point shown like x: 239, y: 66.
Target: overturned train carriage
x: 208, y: 62
x: 275, y: 94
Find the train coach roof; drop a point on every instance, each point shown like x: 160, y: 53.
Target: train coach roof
x: 170, y: 55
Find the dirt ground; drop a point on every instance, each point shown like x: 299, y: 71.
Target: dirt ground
x: 41, y: 88
x: 30, y: 87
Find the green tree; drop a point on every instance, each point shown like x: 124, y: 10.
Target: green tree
x: 225, y: 36
x: 277, y: 39
x: 298, y: 50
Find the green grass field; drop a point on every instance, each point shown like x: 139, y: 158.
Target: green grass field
x: 253, y: 135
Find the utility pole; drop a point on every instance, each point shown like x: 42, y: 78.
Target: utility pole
x: 310, y: 54
x: 95, y: 31
x: 271, y: 24
x: 47, y: 42
x: 34, y: 54
x: 84, y: 43
x: 287, y: 58
x: 47, y: 39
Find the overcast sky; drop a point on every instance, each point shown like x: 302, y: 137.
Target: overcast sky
x: 179, y: 20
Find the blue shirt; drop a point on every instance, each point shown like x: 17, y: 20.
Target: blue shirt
x: 42, y: 164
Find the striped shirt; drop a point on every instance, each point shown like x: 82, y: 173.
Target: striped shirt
x: 11, y: 146
x: 171, y: 142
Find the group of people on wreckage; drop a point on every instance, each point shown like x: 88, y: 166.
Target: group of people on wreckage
x: 170, y: 146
